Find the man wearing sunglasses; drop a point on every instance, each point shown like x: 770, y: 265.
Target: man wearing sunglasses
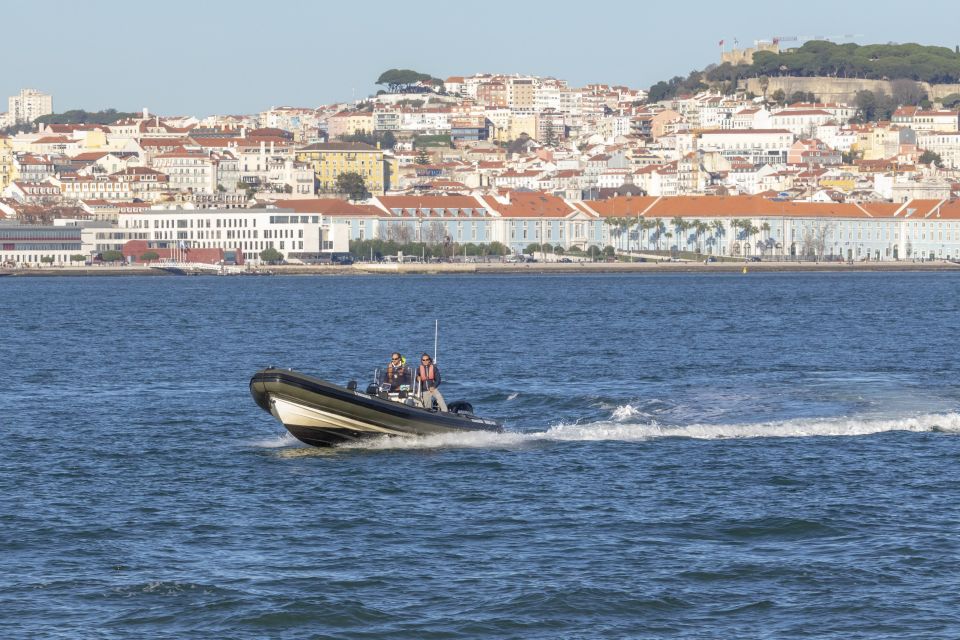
x: 396, y: 370
x: 429, y: 376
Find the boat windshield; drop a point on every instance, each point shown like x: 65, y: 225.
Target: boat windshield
x: 404, y: 382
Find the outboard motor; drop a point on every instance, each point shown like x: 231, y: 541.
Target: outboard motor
x: 460, y: 406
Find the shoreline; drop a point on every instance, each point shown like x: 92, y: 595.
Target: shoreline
x: 481, y: 268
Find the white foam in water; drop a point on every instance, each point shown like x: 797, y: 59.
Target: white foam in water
x: 632, y: 432
x: 619, y: 428
x: 512, y: 396
x: 624, y: 412
x: 854, y: 426
x: 470, y: 440
x: 280, y: 440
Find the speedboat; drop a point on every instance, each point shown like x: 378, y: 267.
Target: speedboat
x: 321, y: 413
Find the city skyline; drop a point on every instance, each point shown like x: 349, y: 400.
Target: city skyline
x: 201, y: 59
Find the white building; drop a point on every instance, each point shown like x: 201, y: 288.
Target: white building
x: 188, y: 170
x: 757, y: 145
x: 29, y: 105
x: 249, y: 231
x: 944, y: 143
x: 801, y: 122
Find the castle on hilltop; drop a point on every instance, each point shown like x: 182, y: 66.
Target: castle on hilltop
x: 745, y: 56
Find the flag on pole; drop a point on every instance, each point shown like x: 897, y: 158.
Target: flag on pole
x: 721, y: 43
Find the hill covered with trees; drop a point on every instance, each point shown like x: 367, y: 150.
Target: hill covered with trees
x: 820, y: 58
x: 936, y: 65
x: 79, y: 116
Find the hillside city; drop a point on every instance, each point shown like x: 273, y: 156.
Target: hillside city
x: 486, y: 164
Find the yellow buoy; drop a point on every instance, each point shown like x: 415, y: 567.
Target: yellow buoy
x: 744, y: 269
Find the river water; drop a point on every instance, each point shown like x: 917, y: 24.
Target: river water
x: 693, y: 455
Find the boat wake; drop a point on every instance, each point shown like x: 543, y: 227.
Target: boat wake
x: 620, y: 427
x: 278, y: 441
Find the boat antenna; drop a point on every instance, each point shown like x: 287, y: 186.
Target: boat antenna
x: 436, y: 334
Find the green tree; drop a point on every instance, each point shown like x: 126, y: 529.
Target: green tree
x: 930, y: 157
x: 549, y: 137
x: 658, y: 92
x: 519, y: 145
x: 866, y: 102
x: 79, y: 116
x: 150, y: 256
x: 950, y: 101
x: 423, y: 158
x: 400, y: 80
x: 78, y: 257
x: 778, y: 96
x: 271, y: 255
x: 111, y: 256
x: 46, y: 259
x: 497, y: 249
x: 764, y: 84
x: 701, y: 228
x: 352, y: 185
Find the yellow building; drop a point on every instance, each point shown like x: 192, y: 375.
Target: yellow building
x: 331, y: 159
x: 522, y: 124
x: 840, y: 184
x: 6, y: 162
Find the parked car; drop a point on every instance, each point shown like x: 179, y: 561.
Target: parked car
x: 564, y: 260
x: 753, y: 259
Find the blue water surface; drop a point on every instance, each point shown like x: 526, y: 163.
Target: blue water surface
x: 686, y: 456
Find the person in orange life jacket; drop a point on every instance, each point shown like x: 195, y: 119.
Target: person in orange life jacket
x: 396, y: 371
x: 429, y: 376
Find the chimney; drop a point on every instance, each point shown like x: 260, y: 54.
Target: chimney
x: 243, y: 131
x: 146, y: 113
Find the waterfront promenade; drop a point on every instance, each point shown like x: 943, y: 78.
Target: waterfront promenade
x: 481, y: 268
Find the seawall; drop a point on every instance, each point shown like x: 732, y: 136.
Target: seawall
x: 838, y: 89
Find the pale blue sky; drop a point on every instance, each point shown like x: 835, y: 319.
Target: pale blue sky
x: 211, y: 56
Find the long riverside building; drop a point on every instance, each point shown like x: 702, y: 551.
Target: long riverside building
x: 736, y: 226
x: 713, y: 225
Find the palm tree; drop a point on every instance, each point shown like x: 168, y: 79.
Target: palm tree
x: 625, y: 223
x: 749, y: 231
x: 645, y: 226
x: 765, y: 227
x: 738, y: 224
x: 661, y: 231
x: 718, y: 229
x: 701, y: 228
x: 614, y: 224
x: 679, y: 224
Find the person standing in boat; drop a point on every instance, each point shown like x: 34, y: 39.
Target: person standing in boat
x: 429, y: 376
x: 396, y: 370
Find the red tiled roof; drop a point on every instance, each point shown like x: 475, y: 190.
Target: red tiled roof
x: 530, y: 204
x: 327, y: 207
